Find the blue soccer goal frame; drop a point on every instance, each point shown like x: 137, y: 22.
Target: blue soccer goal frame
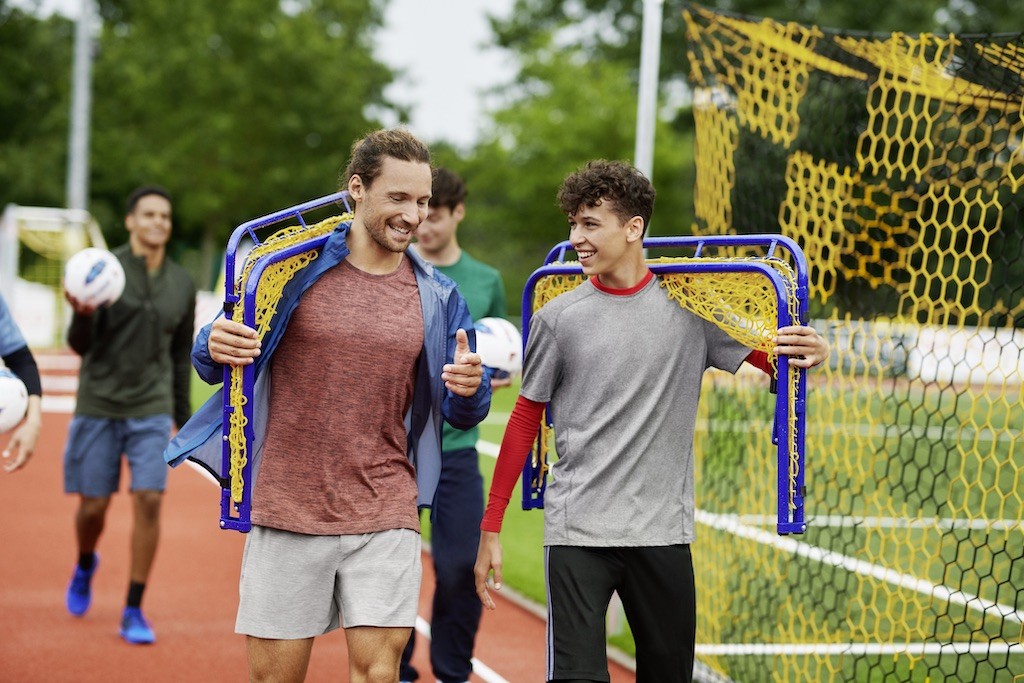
x: 790, y: 512
x: 237, y: 516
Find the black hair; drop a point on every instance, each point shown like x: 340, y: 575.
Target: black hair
x: 629, y: 190
x: 144, y: 191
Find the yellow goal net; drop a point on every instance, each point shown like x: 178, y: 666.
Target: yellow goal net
x: 896, y: 162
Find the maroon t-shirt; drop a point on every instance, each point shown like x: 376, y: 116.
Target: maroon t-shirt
x: 334, y: 461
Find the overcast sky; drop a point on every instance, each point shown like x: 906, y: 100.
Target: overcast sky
x: 438, y: 44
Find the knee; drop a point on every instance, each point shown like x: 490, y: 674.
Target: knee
x: 93, y: 509
x: 380, y: 672
x: 147, y: 505
x: 380, y: 668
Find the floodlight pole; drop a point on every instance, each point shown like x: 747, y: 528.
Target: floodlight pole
x: 78, y: 137
x: 647, y: 99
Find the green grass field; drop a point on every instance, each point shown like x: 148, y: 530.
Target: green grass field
x: 914, y: 554
x: 914, y: 541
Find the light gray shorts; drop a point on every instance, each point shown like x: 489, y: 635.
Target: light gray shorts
x: 296, y: 586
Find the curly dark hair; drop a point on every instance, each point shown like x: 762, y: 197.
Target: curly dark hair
x: 368, y: 153
x: 448, y: 189
x: 628, y: 190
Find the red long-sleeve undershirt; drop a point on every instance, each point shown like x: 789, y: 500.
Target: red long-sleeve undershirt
x: 515, y: 448
x: 518, y: 441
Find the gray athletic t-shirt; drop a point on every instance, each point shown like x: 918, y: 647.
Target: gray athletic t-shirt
x: 623, y: 375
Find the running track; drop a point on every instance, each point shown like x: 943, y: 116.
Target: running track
x: 192, y: 593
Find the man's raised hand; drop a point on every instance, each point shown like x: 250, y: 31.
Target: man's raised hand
x: 462, y: 376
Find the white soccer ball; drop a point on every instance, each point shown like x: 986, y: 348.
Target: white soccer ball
x: 94, y: 277
x: 500, y: 346
x: 13, y: 400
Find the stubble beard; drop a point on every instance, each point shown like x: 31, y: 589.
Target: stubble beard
x: 379, y: 233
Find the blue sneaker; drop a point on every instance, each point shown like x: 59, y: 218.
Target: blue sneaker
x: 135, y: 629
x: 79, y: 594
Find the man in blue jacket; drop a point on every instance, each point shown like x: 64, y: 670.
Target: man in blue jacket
x: 370, y: 353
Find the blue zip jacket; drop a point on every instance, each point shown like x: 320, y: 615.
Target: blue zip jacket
x: 444, y: 312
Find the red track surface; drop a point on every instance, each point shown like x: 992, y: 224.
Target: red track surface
x: 191, y: 598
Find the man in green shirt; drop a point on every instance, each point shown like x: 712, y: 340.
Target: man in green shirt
x: 458, y: 506
x: 133, y: 383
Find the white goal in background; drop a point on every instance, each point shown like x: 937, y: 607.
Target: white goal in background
x: 35, y: 243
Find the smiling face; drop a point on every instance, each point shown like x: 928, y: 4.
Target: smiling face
x: 394, y: 205
x: 604, y: 243
x: 149, y: 223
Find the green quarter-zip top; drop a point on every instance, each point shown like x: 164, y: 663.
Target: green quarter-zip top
x: 135, y: 353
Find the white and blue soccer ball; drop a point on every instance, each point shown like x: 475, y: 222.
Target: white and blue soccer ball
x: 94, y: 277
x: 500, y: 346
x: 13, y: 400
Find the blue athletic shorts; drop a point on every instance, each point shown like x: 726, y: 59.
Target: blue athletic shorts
x: 92, y: 458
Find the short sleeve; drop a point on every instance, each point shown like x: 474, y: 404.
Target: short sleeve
x: 724, y: 352
x: 542, y: 363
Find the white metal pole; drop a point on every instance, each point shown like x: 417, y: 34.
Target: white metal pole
x: 647, y: 99
x: 8, y: 253
x: 78, y: 138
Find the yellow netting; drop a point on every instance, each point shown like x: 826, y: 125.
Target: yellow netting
x: 46, y: 238
x: 268, y: 294
x: 765, y: 65
x: 744, y: 304
x: 713, y: 155
x: 896, y: 162
x: 818, y: 216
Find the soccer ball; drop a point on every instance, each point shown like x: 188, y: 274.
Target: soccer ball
x: 94, y: 277
x: 13, y: 400
x: 500, y: 346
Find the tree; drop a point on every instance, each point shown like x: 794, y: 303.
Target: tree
x: 601, y: 43
x: 611, y: 29
x: 239, y: 108
x: 562, y: 111
x: 34, y: 58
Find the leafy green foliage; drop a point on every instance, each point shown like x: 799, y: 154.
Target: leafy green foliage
x: 240, y: 108
x: 34, y: 59
x: 562, y: 111
x: 611, y: 29
x: 244, y: 108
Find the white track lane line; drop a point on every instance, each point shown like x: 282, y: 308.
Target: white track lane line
x: 479, y: 668
x: 862, y: 567
x: 777, y: 649
x: 64, y: 405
